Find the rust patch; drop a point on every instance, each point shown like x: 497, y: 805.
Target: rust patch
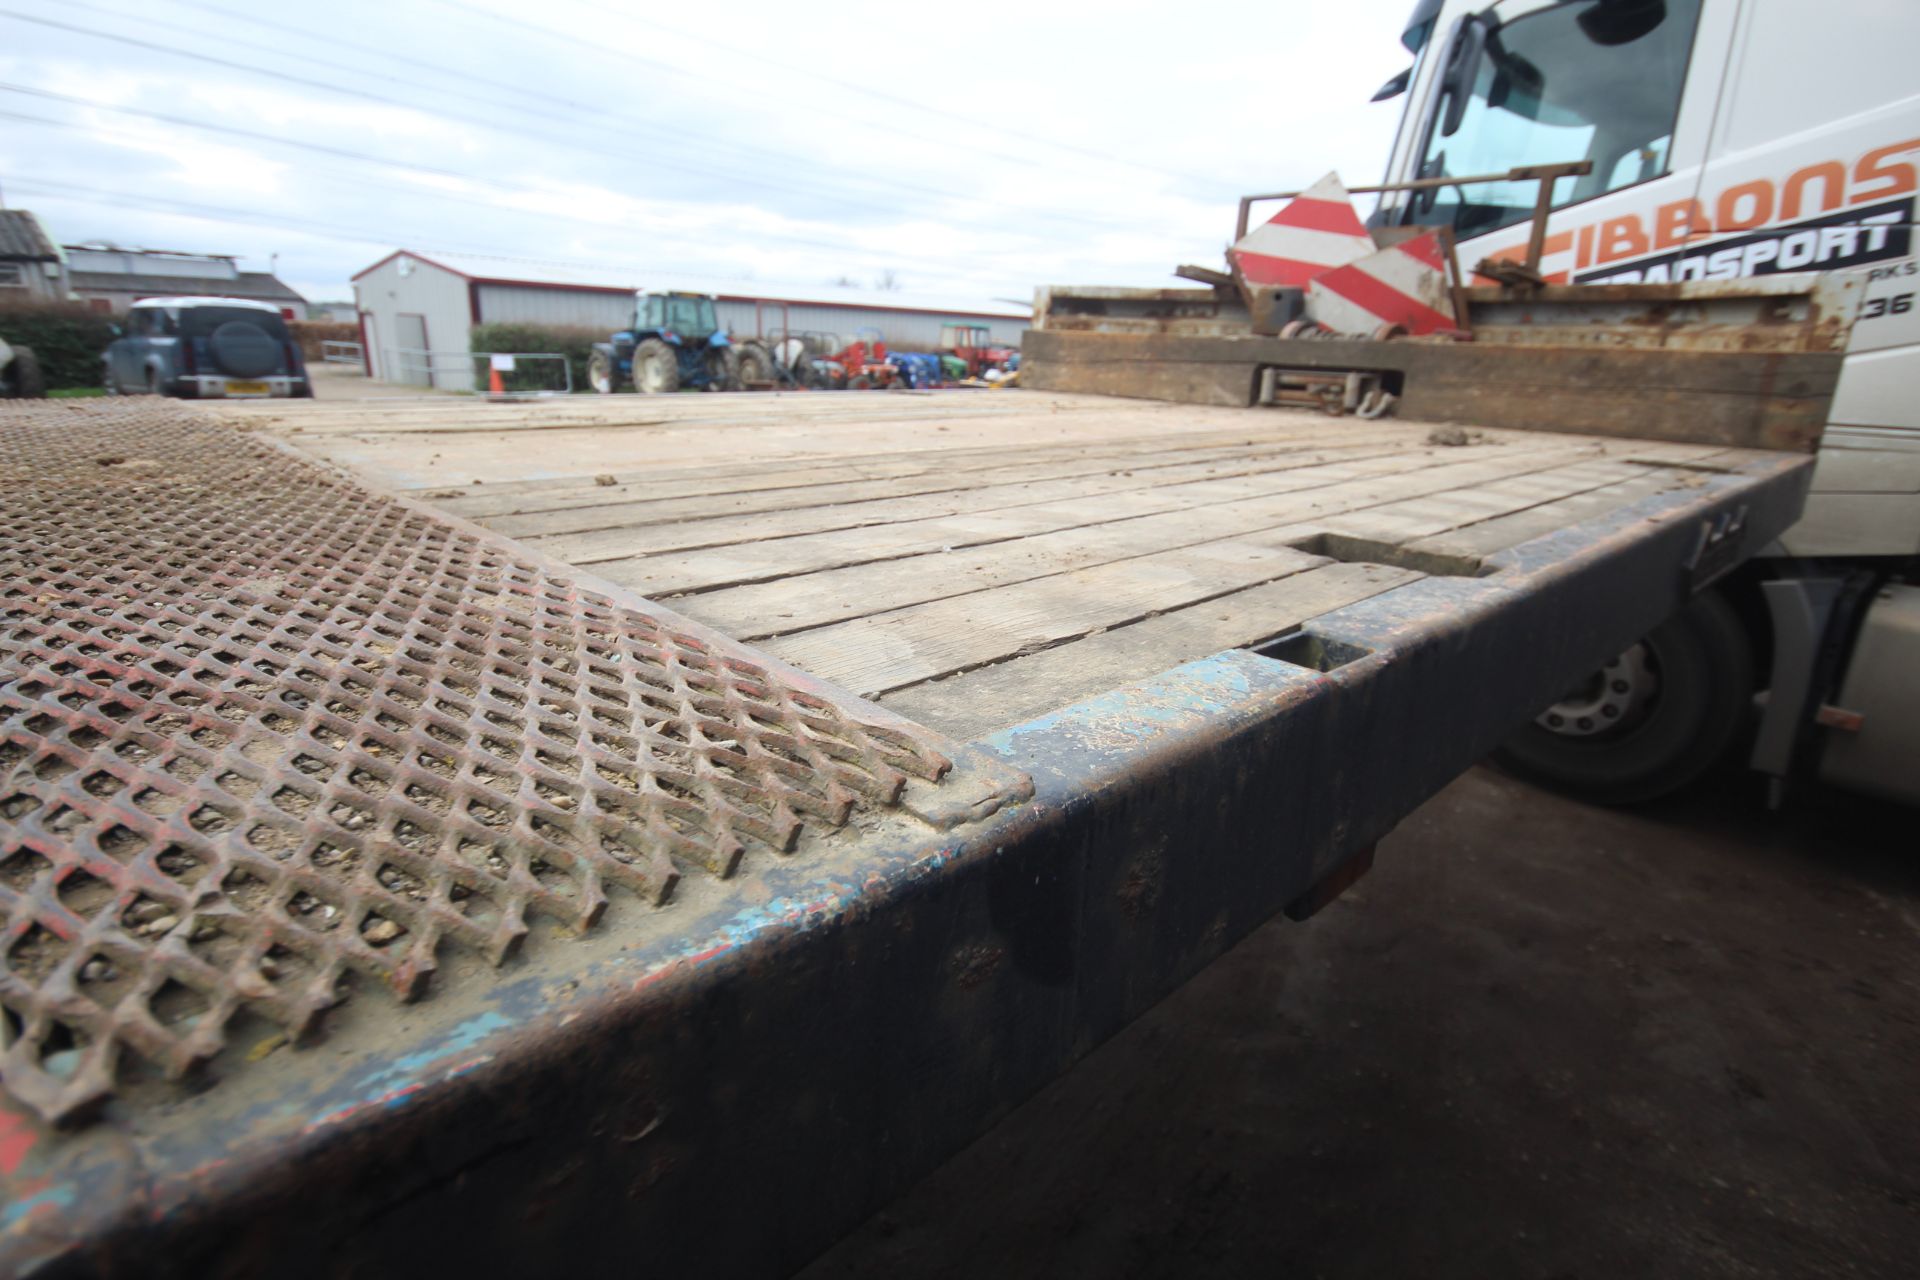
x: 976, y: 962
x: 260, y: 727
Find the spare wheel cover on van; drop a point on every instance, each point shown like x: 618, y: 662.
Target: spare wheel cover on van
x: 243, y: 349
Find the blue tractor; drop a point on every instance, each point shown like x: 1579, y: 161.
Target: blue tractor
x: 675, y: 342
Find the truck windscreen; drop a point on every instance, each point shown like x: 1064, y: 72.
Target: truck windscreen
x: 1545, y: 89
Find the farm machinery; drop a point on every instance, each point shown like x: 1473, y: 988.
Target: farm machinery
x: 676, y: 341
x: 859, y: 365
x: 973, y: 346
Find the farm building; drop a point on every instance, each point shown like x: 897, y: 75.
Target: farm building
x: 29, y: 263
x: 416, y: 309
x: 109, y: 278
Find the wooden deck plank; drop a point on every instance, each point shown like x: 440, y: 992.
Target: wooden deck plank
x: 1189, y: 483
x: 673, y: 571
x: 993, y: 697
x: 886, y: 651
x: 978, y: 560
x: 613, y: 512
x: 557, y: 492
x: 798, y: 601
x: 1488, y: 536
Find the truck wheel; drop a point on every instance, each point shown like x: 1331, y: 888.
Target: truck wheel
x: 754, y: 364
x: 656, y: 370
x: 859, y: 382
x: 1652, y: 720
x: 601, y: 375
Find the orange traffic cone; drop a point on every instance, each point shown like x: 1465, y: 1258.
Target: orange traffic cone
x: 495, y: 387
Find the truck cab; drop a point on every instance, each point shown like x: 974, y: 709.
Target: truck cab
x: 1727, y: 138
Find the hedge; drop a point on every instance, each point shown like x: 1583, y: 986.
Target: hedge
x: 68, y: 337
x: 575, y: 342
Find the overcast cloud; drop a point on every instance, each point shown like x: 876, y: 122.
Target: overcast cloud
x: 969, y: 149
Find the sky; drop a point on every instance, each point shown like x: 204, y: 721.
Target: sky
x: 971, y: 150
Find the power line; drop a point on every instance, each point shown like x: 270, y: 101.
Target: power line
x: 543, y: 139
x: 843, y: 251
x: 880, y: 95
x: 600, y: 50
x: 257, y: 219
x: 599, y: 118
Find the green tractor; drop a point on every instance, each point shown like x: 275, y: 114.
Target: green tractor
x: 675, y: 341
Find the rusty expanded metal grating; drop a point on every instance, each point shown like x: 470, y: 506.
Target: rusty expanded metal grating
x: 260, y: 727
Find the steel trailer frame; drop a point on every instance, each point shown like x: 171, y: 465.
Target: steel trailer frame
x: 736, y: 1091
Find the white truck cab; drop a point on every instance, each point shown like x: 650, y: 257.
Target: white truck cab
x: 1728, y: 138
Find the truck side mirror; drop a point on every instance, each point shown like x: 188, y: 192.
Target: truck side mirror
x: 1461, y: 70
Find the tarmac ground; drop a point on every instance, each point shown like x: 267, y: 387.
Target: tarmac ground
x: 1540, y: 1039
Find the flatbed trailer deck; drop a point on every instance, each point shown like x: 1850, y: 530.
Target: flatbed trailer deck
x: 648, y: 833
x: 976, y: 559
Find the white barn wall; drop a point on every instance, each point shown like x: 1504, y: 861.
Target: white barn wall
x: 908, y: 331
x: 440, y: 296
x: 531, y: 304
x: 448, y: 300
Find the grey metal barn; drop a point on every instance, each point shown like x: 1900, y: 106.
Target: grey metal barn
x: 416, y: 309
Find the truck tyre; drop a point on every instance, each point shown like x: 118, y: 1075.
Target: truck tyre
x: 754, y: 363
x: 656, y: 370
x: 22, y: 379
x: 601, y: 375
x: 859, y: 382
x: 1652, y: 720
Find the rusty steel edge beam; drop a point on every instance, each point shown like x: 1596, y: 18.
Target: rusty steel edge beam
x: 733, y: 1099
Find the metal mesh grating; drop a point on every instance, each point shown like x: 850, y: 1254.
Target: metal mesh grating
x: 260, y: 727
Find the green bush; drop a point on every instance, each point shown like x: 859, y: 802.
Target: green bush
x: 575, y: 342
x: 67, y: 336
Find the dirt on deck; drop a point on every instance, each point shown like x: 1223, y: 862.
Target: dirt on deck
x: 1540, y: 1040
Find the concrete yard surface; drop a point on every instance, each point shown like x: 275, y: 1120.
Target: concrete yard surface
x: 1541, y: 1039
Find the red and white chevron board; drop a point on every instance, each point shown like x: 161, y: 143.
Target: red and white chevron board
x: 1317, y: 230
x: 1404, y: 285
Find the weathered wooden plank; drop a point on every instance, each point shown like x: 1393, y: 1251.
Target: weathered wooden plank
x: 993, y: 697
x: 744, y: 562
x: 887, y: 651
x: 555, y: 492
x: 597, y: 545
x: 799, y: 601
x: 1421, y: 517
x: 1790, y: 373
x: 1175, y: 464
x: 1487, y: 536
x: 1775, y: 400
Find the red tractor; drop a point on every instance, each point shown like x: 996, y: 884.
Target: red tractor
x: 973, y: 345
